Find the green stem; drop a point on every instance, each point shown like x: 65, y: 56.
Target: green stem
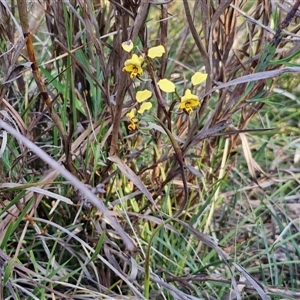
x: 179, y: 157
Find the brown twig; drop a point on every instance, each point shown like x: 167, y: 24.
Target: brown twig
x: 121, y: 79
x: 22, y: 8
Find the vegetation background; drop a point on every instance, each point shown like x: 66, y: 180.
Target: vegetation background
x: 199, y: 206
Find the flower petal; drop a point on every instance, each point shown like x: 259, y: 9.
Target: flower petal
x: 131, y: 114
x: 143, y: 95
x: 198, y: 78
x: 127, y: 45
x: 188, y: 96
x: 132, y: 126
x: 144, y: 106
x: 128, y: 68
x: 157, y: 51
x: 166, y: 85
x: 134, y: 60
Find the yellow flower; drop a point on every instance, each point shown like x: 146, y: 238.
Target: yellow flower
x: 166, y: 85
x: 131, y: 118
x: 143, y: 95
x: 157, y: 51
x: 144, y: 106
x: 198, y: 78
x: 188, y: 101
x: 134, y: 66
x: 127, y: 46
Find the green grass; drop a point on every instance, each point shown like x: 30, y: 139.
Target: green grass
x: 229, y: 219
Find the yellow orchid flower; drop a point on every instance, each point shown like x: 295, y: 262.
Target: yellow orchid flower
x: 198, y: 78
x: 188, y: 101
x: 166, y: 85
x: 157, y: 51
x: 134, y: 66
x: 132, y: 119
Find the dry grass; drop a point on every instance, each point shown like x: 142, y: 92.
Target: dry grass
x: 186, y: 206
